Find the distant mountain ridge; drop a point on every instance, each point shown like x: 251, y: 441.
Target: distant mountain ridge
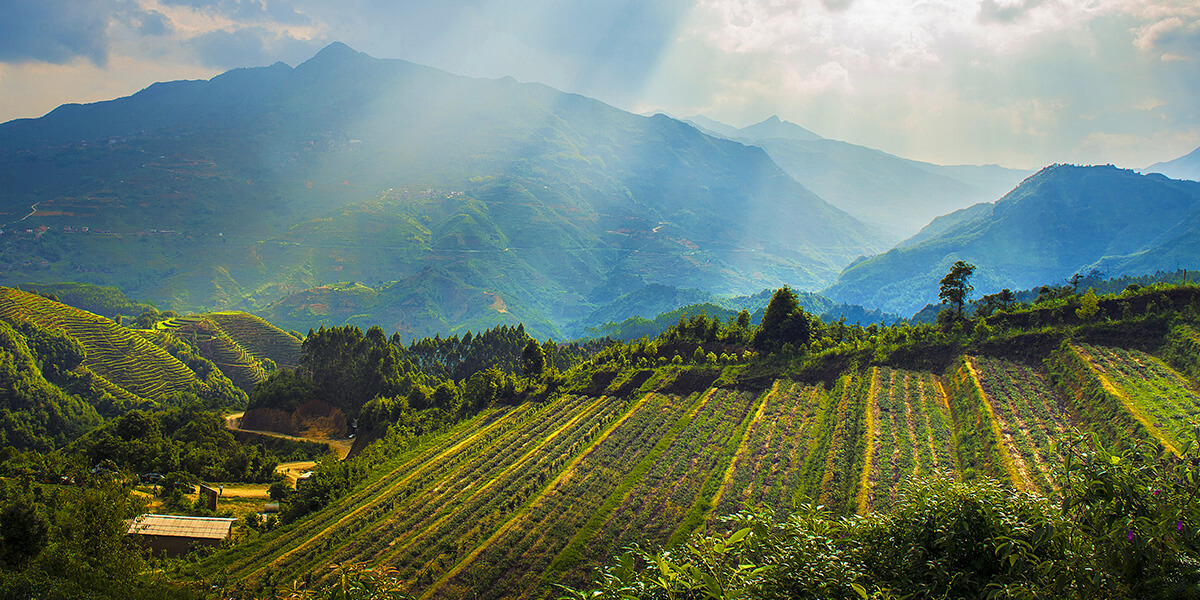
x: 1184, y: 167
x: 898, y: 195
x: 260, y: 183
x: 1063, y: 220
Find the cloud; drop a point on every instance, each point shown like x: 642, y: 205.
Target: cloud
x: 1174, y: 38
x: 56, y: 31
x: 246, y: 11
x: 249, y: 46
x: 153, y: 23
x: 999, y: 11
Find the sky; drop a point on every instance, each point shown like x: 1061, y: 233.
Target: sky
x: 1021, y: 83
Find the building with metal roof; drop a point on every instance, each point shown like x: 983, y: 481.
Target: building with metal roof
x: 175, y: 535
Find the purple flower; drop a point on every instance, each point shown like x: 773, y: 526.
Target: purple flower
x: 1178, y: 525
x: 1131, y: 535
x: 1154, y: 493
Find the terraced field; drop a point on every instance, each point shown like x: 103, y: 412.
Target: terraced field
x: 122, y: 358
x: 211, y: 342
x: 1154, y: 393
x: 1030, y: 415
x: 910, y: 435
x: 767, y: 471
x: 258, y: 338
x: 525, y: 497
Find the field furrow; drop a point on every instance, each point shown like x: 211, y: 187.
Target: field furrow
x: 548, y: 534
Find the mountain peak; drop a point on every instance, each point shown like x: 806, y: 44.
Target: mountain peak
x: 774, y: 127
x: 334, y: 54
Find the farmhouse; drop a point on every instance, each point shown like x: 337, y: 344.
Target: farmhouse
x: 174, y: 535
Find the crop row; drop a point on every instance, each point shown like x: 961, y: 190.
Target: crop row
x: 841, y: 446
x: 430, y: 490
x: 420, y: 463
x: 1154, y: 392
x: 548, y: 536
x: 440, y: 502
x: 1091, y: 404
x: 912, y: 435
x: 662, y: 499
x: 1030, y: 416
x: 977, y: 436
x: 767, y: 471
x: 258, y: 337
x: 477, y: 505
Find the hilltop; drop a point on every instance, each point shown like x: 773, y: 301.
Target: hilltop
x: 1061, y: 221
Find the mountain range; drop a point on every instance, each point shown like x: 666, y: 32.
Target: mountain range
x: 356, y: 190
x: 897, y: 195
x: 1063, y: 220
x: 472, y: 201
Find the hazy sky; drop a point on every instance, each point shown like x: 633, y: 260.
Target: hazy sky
x: 1022, y: 83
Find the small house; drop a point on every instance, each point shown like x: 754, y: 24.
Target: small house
x: 175, y: 535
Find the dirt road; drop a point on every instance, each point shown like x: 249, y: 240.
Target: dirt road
x: 340, y: 446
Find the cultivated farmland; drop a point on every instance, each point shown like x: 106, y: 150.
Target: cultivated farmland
x: 910, y: 435
x: 122, y: 358
x: 1029, y: 414
x: 1157, y: 396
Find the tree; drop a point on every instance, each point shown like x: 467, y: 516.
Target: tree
x: 1089, y: 305
x: 783, y: 322
x: 955, y: 287
x: 1006, y: 298
x: 533, y: 359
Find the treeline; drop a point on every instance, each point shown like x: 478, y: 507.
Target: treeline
x: 348, y: 369
x: 103, y: 300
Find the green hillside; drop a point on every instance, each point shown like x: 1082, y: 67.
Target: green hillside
x: 1061, y: 221
x: 522, y: 497
x: 125, y: 364
x: 243, y: 346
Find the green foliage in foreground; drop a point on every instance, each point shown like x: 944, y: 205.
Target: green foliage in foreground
x: 1127, y: 525
x: 60, y: 542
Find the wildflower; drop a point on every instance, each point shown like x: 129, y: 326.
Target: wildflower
x: 1178, y: 525
x: 1131, y: 535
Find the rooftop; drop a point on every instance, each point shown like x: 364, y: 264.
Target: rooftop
x: 181, y: 526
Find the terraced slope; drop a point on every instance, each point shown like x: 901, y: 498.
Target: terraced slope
x: 130, y: 367
x: 910, y: 435
x: 213, y: 343
x: 1030, y: 416
x: 258, y: 338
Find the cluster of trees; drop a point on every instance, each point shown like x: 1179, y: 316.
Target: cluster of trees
x: 70, y: 542
x: 381, y: 377
x: 187, y: 439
